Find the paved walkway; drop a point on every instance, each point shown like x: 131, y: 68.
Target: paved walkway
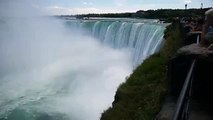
x: 199, y: 112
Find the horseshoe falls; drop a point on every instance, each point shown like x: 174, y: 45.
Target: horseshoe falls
x: 57, y: 69
x: 141, y: 37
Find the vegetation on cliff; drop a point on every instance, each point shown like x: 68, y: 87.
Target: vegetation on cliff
x: 142, y: 95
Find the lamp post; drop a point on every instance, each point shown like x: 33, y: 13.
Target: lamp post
x: 201, y: 7
x: 185, y: 6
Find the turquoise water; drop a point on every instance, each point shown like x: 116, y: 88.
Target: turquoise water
x: 49, y: 73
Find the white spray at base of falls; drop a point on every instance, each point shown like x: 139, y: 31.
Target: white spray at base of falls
x: 49, y: 72
x: 140, y: 37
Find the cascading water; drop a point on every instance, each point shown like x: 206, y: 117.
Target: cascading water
x: 49, y: 72
x: 140, y: 37
x: 55, y: 74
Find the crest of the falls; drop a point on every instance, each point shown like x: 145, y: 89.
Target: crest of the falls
x: 141, y: 37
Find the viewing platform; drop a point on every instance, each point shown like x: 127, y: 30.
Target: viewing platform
x: 191, y: 80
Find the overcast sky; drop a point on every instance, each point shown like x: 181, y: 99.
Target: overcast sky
x: 111, y: 6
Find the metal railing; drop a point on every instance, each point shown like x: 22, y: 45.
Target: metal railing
x: 182, y: 108
x: 181, y: 112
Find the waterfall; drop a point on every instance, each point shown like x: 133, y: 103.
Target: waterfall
x: 49, y: 72
x: 142, y: 38
x: 60, y: 69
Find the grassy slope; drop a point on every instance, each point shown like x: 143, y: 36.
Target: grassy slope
x: 141, y: 97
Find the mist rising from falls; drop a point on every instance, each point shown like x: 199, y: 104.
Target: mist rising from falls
x: 48, y: 72
x: 141, y: 37
x: 51, y: 72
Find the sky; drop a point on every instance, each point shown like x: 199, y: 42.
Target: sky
x: 71, y: 7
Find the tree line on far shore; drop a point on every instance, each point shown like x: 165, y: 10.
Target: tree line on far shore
x: 150, y: 14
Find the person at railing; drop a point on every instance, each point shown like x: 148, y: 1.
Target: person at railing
x: 192, y: 30
x: 207, y: 32
x: 198, y: 25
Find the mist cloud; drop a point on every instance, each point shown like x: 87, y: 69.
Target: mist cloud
x: 48, y: 68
